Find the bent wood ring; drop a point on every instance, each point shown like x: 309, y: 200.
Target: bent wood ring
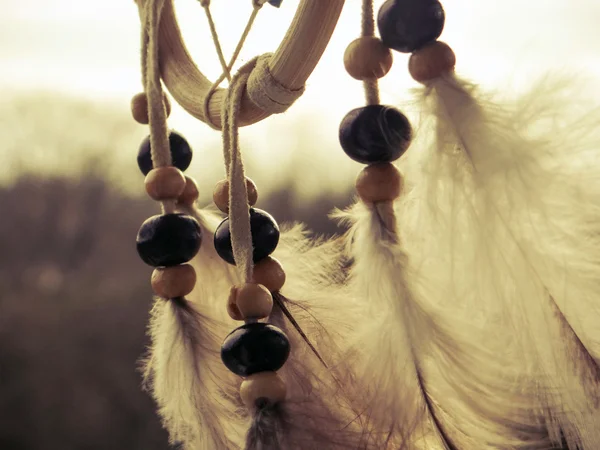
x: 291, y: 64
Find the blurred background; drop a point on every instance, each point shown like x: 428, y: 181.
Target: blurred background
x: 74, y: 297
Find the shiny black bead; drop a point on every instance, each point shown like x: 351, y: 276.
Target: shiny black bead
x: 375, y: 133
x: 255, y: 347
x: 181, y: 153
x: 168, y: 240
x: 407, y: 25
x: 265, y: 236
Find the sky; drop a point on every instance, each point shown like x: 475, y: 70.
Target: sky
x: 91, y: 50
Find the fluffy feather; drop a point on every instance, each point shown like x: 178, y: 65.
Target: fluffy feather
x: 197, y: 396
x: 317, y: 413
x: 515, y: 214
x: 429, y: 384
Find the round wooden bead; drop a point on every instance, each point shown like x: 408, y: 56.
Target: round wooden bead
x: 431, y: 62
x: 263, y: 386
x: 168, y: 240
x: 172, y: 282
x: 255, y: 347
x: 375, y: 133
x: 190, y: 192
x: 379, y: 183
x: 232, y: 308
x: 254, y: 301
x: 165, y: 183
x: 407, y: 25
x: 139, y: 107
x: 181, y: 153
x: 221, y: 194
x: 265, y: 236
x: 269, y: 273
x: 367, y: 58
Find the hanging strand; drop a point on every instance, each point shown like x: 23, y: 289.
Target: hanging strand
x: 371, y: 85
x: 241, y: 238
x: 257, y: 5
x: 215, y: 37
x: 157, y: 117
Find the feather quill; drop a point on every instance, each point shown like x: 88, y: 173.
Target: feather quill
x: 515, y: 212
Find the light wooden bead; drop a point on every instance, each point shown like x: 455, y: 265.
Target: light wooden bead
x: 431, y: 61
x: 263, y: 385
x: 367, y: 58
x: 232, y: 308
x: 254, y: 301
x: 190, y: 192
x: 221, y: 194
x: 379, y: 183
x: 165, y: 183
x: 175, y: 281
x: 139, y: 107
x: 269, y: 273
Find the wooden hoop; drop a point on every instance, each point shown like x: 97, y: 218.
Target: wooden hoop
x: 291, y: 65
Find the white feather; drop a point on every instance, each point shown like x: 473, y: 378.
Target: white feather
x: 428, y: 381
x: 197, y: 396
x: 515, y: 216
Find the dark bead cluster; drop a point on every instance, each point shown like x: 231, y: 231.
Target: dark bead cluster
x: 169, y: 239
x: 254, y: 347
x: 377, y: 133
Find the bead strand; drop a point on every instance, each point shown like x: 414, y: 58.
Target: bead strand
x: 255, y: 350
x: 413, y: 26
x: 375, y: 135
x: 168, y: 241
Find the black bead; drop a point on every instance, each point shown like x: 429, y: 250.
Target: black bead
x: 168, y: 240
x: 265, y: 236
x: 255, y: 347
x: 407, y: 25
x: 375, y: 133
x: 181, y: 153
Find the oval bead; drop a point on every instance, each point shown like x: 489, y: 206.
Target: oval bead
x: 379, y: 183
x: 407, y: 25
x: 255, y: 347
x: 165, y: 183
x: 190, y: 192
x: 375, y: 133
x: 263, y: 386
x: 181, y: 153
x: 172, y: 282
x: 221, y: 194
x: 232, y: 308
x: 367, y: 58
x: 254, y: 301
x: 265, y: 236
x: 139, y: 107
x: 269, y: 272
x: 431, y: 61
x: 168, y: 240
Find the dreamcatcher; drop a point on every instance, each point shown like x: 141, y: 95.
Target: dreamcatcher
x: 460, y: 310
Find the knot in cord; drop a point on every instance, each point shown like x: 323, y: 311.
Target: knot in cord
x: 266, y: 92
